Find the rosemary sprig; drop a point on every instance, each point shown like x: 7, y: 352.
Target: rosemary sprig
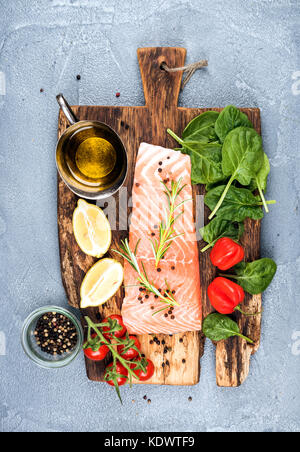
x: 143, y: 279
x: 166, y: 229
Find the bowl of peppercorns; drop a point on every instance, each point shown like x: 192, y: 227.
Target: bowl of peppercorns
x: 52, y: 337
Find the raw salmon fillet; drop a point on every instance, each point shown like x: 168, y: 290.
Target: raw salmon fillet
x: 180, y: 266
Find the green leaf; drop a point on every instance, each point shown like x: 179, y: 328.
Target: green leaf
x: 238, y: 204
x: 202, y: 128
x: 255, y: 277
x: 206, y: 162
x: 218, y: 327
x: 230, y: 118
x: 219, y: 228
x: 242, y: 158
x: 212, y: 185
x: 242, y: 154
x: 261, y: 177
x: 260, y: 180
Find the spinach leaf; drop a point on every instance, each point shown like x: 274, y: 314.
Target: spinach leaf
x: 212, y: 185
x: 256, y: 276
x: 218, y: 327
x: 201, y: 143
x: 230, y: 118
x: 242, y: 158
x: 260, y: 180
x: 206, y: 160
x: 202, y: 128
x: 219, y: 228
x: 238, y: 204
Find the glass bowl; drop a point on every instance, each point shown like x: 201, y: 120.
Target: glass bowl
x: 34, y: 352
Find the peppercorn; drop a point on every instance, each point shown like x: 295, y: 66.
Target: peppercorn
x: 55, y: 335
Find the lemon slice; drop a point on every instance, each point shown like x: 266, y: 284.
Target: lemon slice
x: 101, y: 283
x: 91, y: 229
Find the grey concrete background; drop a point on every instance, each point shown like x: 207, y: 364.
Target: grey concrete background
x: 253, y: 52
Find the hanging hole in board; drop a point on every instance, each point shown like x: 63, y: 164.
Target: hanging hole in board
x: 163, y: 66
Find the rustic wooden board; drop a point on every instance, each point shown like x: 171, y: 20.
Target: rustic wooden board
x: 149, y: 124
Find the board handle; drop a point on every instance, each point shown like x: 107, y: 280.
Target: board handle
x: 161, y: 88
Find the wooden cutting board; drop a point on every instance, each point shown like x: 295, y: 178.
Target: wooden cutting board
x: 176, y: 358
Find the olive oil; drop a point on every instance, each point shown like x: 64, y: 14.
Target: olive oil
x: 93, y: 157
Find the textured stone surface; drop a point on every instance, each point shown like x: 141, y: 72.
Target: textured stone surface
x: 253, y: 52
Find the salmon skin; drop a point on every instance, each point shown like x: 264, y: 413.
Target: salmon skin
x: 179, y: 269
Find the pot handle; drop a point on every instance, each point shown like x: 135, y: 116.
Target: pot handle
x: 67, y: 110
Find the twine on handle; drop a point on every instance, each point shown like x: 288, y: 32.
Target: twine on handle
x: 190, y: 70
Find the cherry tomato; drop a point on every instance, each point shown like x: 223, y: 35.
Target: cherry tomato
x: 144, y: 376
x: 119, y: 320
x: 98, y: 355
x: 131, y: 353
x: 121, y: 374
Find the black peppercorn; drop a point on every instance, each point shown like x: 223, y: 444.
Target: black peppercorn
x: 55, y: 335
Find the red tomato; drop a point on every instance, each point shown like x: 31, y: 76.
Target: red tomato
x: 98, y: 355
x: 131, y: 353
x: 144, y: 376
x: 119, y: 320
x: 121, y: 372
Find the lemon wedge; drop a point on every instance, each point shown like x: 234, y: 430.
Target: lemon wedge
x: 91, y: 229
x: 101, y: 283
